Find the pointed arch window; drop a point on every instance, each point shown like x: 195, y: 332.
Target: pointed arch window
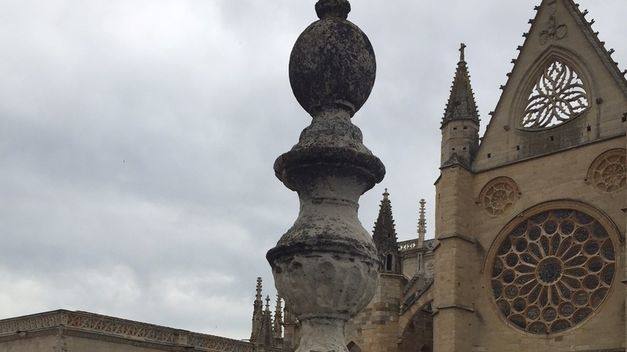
x: 558, y: 96
x: 389, y: 262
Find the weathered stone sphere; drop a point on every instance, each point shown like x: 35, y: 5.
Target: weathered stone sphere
x: 332, y: 64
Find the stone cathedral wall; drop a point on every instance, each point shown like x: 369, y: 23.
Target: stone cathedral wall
x: 541, y: 180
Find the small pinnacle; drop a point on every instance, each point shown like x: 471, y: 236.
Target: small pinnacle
x: 386, y: 194
x: 462, y: 52
x: 591, y: 22
x: 611, y: 51
x: 333, y: 8
x: 585, y: 12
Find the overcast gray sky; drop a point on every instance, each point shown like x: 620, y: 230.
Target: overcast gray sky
x: 137, y: 139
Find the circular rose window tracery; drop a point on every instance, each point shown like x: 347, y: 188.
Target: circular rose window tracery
x: 607, y: 171
x: 552, y: 271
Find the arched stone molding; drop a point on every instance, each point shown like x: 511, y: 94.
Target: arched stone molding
x: 498, y: 195
x: 552, y: 267
x: 607, y: 171
x: 425, y: 299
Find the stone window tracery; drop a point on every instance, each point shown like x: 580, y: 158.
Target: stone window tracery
x: 607, y: 172
x: 558, y: 96
x: 498, y: 195
x: 552, y: 271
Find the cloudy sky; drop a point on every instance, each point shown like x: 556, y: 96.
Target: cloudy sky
x: 137, y: 139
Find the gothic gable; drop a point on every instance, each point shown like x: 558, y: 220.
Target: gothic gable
x: 565, y: 90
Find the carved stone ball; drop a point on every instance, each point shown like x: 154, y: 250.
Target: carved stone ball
x: 332, y: 65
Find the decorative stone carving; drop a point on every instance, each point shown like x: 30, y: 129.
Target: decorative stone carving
x: 121, y: 328
x: 552, y: 270
x: 553, y: 31
x: 325, y: 266
x: 499, y: 195
x: 558, y: 96
x: 607, y: 171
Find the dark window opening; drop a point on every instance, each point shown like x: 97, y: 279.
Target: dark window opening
x: 388, y: 262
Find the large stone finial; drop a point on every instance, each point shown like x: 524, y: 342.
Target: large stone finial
x: 326, y: 265
x: 332, y: 63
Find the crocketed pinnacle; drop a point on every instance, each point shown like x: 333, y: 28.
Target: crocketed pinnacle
x: 384, y: 234
x: 258, y: 296
x: 422, y: 221
x: 268, y: 303
x: 278, y: 319
x: 461, y: 102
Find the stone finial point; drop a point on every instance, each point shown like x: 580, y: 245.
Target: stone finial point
x: 462, y: 52
x: 386, y: 194
x: 259, y: 289
x: 333, y: 8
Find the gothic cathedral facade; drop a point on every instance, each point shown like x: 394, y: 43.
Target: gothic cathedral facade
x: 529, y: 249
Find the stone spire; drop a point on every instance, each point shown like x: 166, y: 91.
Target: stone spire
x: 422, y: 224
x: 266, y: 337
x: 257, y: 311
x: 326, y: 264
x: 460, y: 125
x: 278, y: 319
x: 385, y: 238
x: 461, y: 102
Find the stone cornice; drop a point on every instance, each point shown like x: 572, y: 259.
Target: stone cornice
x: 455, y: 306
x: 456, y: 236
x: 106, y: 328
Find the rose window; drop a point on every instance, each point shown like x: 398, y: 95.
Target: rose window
x: 607, y: 172
x: 552, y: 271
x: 498, y: 195
x: 558, y: 96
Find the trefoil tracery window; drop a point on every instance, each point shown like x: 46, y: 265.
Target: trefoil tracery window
x: 558, y: 96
